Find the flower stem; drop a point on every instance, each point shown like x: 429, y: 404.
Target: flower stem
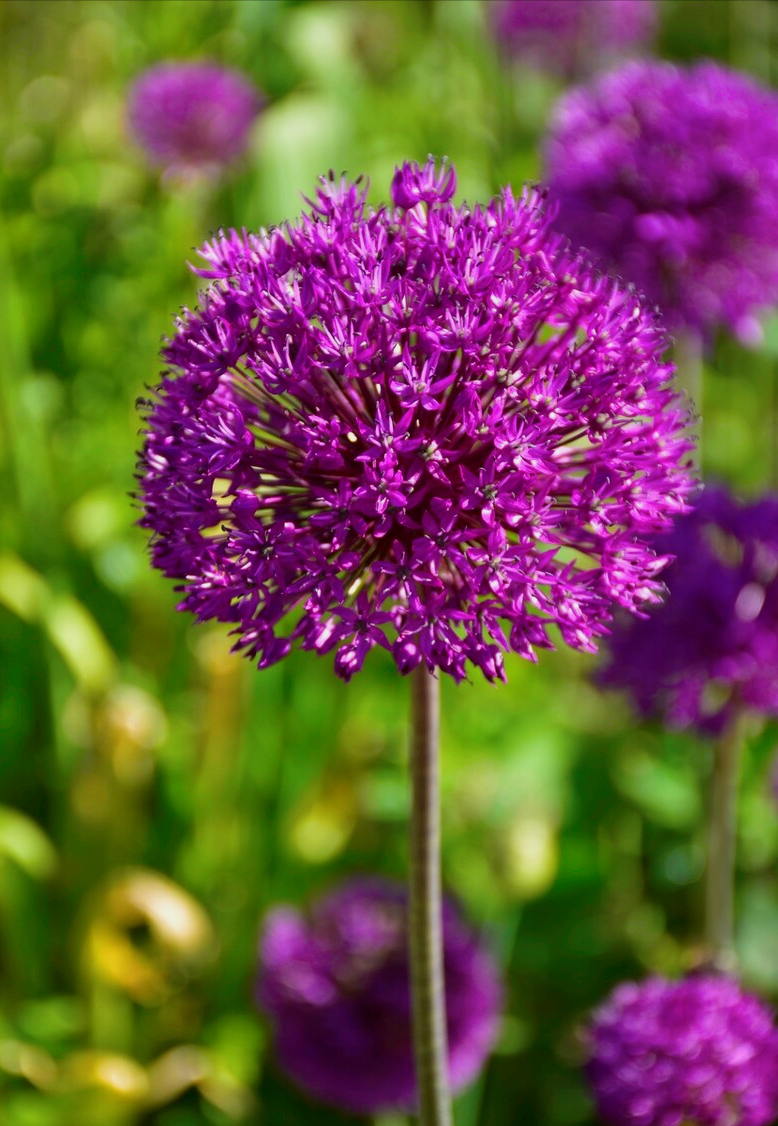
x: 426, y: 940
x: 773, y: 459
x: 719, y: 892
x: 689, y: 361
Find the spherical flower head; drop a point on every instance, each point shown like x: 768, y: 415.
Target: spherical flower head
x: 336, y: 985
x: 672, y: 1053
x: 572, y: 36
x: 426, y: 428
x: 712, y: 647
x: 670, y: 175
x: 192, y: 117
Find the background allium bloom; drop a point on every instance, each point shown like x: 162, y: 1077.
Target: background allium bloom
x: 669, y: 1053
x: 424, y: 427
x: 192, y: 116
x: 572, y: 36
x: 336, y: 984
x: 713, y: 646
x: 671, y: 176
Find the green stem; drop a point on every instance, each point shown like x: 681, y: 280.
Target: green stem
x: 689, y: 361
x: 773, y: 459
x: 722, y: 828
x: 426, y: 939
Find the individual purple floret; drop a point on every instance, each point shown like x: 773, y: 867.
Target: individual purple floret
x: 672, y: 1053
x: 425, y: 427
x: 712, y: 648
x: 192, y: 117
x: 572, y: 36
x: 336, y: 985
x: 671, y: 176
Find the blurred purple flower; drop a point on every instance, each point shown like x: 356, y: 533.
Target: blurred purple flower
x: 192, y: 117
x: 572, y: 36
x: 427, y: 428
x: 336, y: 985
x: 712, y: 647
x: 669, y: 1053
x: 671, y: 176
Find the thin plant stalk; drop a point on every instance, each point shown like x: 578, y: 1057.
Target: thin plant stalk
x: 722, y: 829
x: 689, y: 361
x: 773, y: 458
x: 425, y: 931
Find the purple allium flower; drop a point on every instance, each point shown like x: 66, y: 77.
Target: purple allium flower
x: 671, y: 176
x: 336, y: 985
x: 426, y: 427
x: 192, y: 117
x: 572, y: 36
x: 712, y: 647
x: 669, y: 1053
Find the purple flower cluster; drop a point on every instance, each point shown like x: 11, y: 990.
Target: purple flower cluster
x: 572, y: 36
x: 336, y: 985
x: 192, y: 117
x: 669, y: 1053
x: 425, y: 427
x: 712, y: 648
x: 671, y: 176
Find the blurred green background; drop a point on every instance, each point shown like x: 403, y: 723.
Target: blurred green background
x: 158, y: 794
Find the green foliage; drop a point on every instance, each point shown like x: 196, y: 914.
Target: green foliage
x: 146, y: 773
